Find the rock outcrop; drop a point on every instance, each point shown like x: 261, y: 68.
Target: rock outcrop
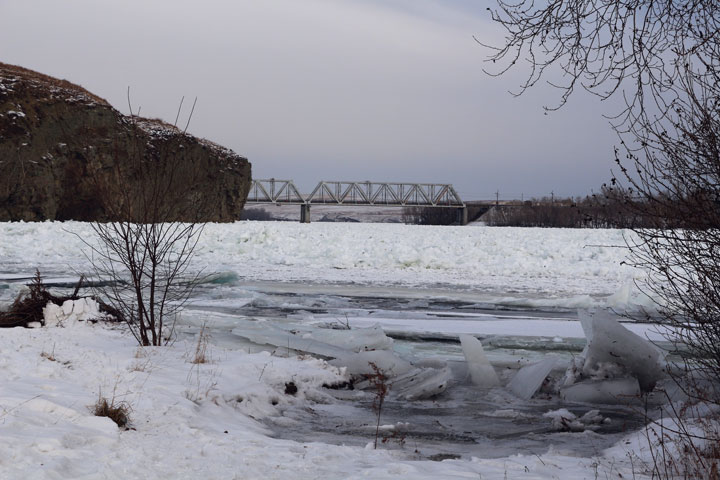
x: 66, y: 154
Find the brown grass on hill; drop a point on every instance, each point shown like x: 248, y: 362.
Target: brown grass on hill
x: 47, y: 79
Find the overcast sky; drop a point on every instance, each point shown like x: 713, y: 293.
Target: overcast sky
x: 382, y: 90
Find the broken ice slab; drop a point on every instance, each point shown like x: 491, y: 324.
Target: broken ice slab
x: 356, y: 339
x: 422, y: 383
x: 481, y: 371
x: 529, y: 378
x: 612, y: 392
x: 416, y: 384
x: 611, y: 343
x: 264, y: 334
x: 361, y: 364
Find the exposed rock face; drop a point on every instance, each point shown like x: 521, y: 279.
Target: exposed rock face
x: 66, y: 154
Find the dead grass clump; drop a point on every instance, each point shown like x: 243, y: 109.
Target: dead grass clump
x: 141, y: 366
x: 117, y: 412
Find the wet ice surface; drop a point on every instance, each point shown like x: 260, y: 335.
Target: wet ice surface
x: 463, y: 421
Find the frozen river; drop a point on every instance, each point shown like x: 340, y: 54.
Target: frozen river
x: 517, y: 290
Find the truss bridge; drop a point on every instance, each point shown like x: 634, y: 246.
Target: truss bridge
x: 385, y: 194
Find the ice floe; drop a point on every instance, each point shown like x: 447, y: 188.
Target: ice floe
x: 480, y: 370
x: 616, y: 366
x: 530, y: 378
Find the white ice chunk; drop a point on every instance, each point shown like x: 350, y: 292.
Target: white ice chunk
x: 611, y: 343
x: 356, y: 339
x: 71, y: 312
x: 615, y: 391
x: 593, y: 417
x: 481, y: 371
x: 529, y: 378
x: 421, y: 383
x: 67, y: 307
x: 52, y: 313
x: 564, y: 420
x: 359, y: 364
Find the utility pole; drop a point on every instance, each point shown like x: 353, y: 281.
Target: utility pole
x: 552, y: 197
x: 497, y: 198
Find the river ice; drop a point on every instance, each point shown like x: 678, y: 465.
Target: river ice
x: 279, y: 291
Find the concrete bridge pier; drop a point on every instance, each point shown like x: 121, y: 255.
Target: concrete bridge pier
x: 305, y: 213
x: 462, y: 215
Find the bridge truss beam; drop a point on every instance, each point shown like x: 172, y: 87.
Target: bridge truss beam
x: 274, y: 191
x: 385, y: 194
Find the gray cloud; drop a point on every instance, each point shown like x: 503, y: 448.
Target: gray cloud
x: 331, y: 89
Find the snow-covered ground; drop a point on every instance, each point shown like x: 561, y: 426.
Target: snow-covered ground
x: 193, y: 421
x: 226, y: 418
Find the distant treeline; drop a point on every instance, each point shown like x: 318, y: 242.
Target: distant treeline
x: 612, y: 208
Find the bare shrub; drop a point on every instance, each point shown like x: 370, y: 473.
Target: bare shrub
x: 147, y: 247
x: 685, y: 440
x: 663, y: 60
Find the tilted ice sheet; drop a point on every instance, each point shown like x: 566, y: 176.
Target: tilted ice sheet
x: 530, y: 377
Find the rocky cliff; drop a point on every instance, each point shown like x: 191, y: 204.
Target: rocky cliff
x: 66, y: 154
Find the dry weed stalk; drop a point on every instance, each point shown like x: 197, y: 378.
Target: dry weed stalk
x: 202, y: 352
x: 378, y: 380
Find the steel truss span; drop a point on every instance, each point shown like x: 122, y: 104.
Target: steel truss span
x: 385, y: 194
x: 356, y: 193
x: 274, y: 191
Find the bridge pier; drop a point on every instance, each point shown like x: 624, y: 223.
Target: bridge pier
x: 305, y: 213
x: 462, y: 215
